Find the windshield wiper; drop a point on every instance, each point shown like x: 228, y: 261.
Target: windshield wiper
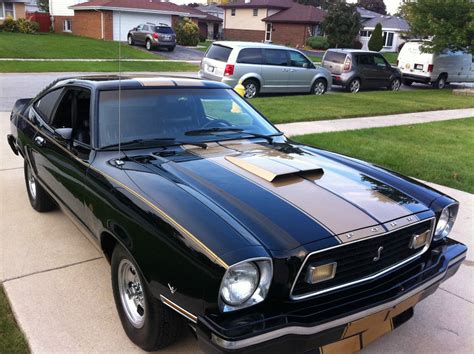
x: 161, y: 141
x: 207, y: 131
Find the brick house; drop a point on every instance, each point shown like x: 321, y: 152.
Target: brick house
x: 12, y: 8
x: 276, y: 21
x: 112, y: 19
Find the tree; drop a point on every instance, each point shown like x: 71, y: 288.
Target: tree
x: 187, y: 32
x: 376, y: 39
x: 342, y: 25
x: 374, y: 5
x: 449, y: 23
x: 43, y: 5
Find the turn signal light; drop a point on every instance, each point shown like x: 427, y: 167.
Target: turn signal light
x: 155, y: 35
x: 348, y: 64
x: 317, y: 274
x: 419, y: 240
x: 229, y: 70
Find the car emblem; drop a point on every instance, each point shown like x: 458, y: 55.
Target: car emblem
x: 172, y: 289
x: 379, y: 254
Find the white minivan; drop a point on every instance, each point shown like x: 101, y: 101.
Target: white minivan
x: 436, y: 69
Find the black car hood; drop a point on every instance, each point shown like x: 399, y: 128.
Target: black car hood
x: 284, y: 195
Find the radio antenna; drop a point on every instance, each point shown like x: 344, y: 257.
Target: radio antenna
x: 119, y: 160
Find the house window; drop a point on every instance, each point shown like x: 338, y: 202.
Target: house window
x: 232, y: 12
x: 365, y: 33
x: 7, y: 10
x: 255, y: 12
x: 67, y: 26
x: 388, y: 39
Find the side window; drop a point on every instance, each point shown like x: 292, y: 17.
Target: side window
x: 139, y: 27
x: 275, y: 57
x: 380, y: 61
x: 63, y: 116
x: 250, y: 56
x: 365, y: 59
x: 45, y: 105
x: 298, y: 60
x: 145, y: 28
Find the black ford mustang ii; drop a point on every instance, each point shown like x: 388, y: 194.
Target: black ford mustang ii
x: 211, y: 218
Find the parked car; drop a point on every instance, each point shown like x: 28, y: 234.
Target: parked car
x: 153, y: 36
x: 263, y: 68
x: 211, y: 218
x: 355, y: 69
x: 435, y: 69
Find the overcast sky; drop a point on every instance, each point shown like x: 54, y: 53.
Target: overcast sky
x: 392, y: 5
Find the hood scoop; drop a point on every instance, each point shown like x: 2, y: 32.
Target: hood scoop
x: 271, y: 165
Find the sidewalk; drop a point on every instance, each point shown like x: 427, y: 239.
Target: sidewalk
x: 103, y: 60
x: 58, y: 283
x: 324, y: 126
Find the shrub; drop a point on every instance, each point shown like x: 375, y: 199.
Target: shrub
x: 187, y: 32
x: 356, y: 44
x: 202, y: 38
x: 376, y: 40
x: 9, y: 25
x: 27, y: 26
x: 317, y: 42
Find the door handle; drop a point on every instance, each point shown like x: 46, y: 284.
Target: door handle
x: 40, y: 141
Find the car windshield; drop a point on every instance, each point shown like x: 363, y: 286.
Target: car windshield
x: 164, y: 29
x: 179, y: 114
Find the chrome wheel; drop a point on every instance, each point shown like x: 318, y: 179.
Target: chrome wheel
x: 250, y: 90
x: 395, y: 86
x: 131, y: 293
x: 31, y: 183
x: 442, y: 83
x: 319, y: 88
x: 148, y: 45
x: 354, y: 86
x: 130, y: 41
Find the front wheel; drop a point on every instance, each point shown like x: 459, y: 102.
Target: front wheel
x: 146, y: 321
x: 40, y: 200
x: 170, y: 49
x: 394, y: 85
x: 251, y: 88
x: 130, y: 40
x: 319, y: 87
x: 354, y: 86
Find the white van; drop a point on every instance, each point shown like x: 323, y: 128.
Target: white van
x: 435, y: 69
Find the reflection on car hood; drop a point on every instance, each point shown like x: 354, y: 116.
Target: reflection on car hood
x: 285, y: 196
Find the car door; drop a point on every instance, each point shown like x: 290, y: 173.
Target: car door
x: 275, y: 70
x: 61, y: 164
x: 366, y: 70
x: 301, y: 72
x: 382, y: 71
x: 140, y: 34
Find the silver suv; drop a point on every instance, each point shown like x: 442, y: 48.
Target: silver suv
x: 263, y: 68
x: 153, y: 36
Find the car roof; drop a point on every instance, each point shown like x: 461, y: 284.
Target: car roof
x: 242, y: 44
x: 349, y: 50
x: 113, y: 82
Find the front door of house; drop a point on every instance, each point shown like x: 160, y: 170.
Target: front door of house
x: 268, y: 32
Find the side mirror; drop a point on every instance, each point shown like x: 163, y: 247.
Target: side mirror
x: 64, y: 133
x: 306, y: 65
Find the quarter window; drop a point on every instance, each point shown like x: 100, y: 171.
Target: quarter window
x: 275, y: 57
x: 250, y: 56
x: 45, y: 105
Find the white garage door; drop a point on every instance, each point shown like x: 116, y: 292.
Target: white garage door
x: 125, y: 21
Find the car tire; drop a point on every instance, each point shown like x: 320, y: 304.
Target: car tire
x: 395, y: 84
x: 170, y: 49
x: 319, y: 87
x: 147, y: 321
x: 40, y: 200
x: 354, y: 86
x: 148, y: 45
x: 407, y: 82
x: 440, y: 83
x: 252, y: 88
x: 130, y: 40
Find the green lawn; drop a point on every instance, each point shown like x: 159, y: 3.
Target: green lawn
x: 64, y: 46
x: 315, y: 58
x: 11, y: 338
x: 55, y: 66
x: 391, y: 57
x: 285, y: 109
x: 438, y: 152
x: 204, y: 45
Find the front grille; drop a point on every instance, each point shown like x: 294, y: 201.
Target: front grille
x: 355, y: 261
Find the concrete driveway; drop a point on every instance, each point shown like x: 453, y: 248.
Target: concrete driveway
x: 179, y: 53
x: 59, y: 287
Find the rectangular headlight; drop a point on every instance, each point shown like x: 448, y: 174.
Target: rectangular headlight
x: 317, y: 274
x: 419, y: 240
